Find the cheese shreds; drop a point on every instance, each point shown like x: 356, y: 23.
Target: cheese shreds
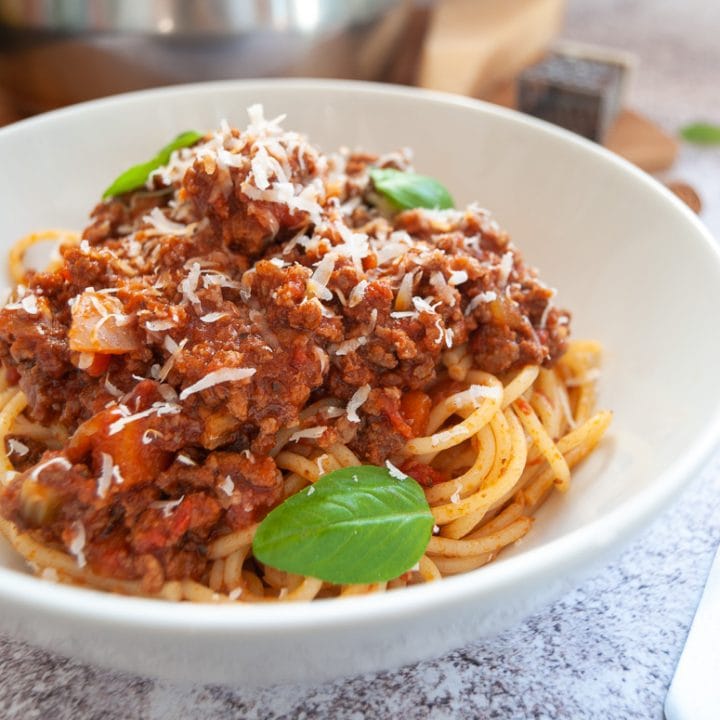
x: 261, y: 168
x: 164, y: 225
x: 506, y: 266
x: 235, y: 593
x: 29, y: 304
x: 217, y: 377
x: 441, y: 332
x: 311, y: 490
x: 355, y: 245
x: 15, y: 447
x: 395, y: 472
x: 320, y: 278
x: 77, y: 545
x: 404, y: 314
x: 106, y: 468
x: 66, y: 465
x: 311, y: 433
x: 158, y: 408
x: 348, y: 346
x: 166, y: 506
x: 458, y: 277
x: 394, y: 247
x: 403, y: 299
x: 356, y: 401
x: 174, y: 353
x: 483, y: 297
x: 443, y: 290
x: 227, y: 485
x: 159, y: 325
x: 357, y: 294
x: 424, y: 305
x: 213, y: 317
x: 185, y: 460
x: 212, y: 278
x: 446, y: 435
x: 114, y: 391
x: 117, y: 475
x: 147, y: 436
x: 188, y: 285
x: 474, y: 395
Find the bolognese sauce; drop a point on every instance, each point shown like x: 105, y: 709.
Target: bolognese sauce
x: 250, y: 297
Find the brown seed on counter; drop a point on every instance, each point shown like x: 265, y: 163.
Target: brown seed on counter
x: 687, y: 194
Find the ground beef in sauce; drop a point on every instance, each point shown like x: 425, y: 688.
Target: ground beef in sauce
x: 250, y: 250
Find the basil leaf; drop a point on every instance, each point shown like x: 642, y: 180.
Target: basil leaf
x: 701, y: 133
x: 405, y: 190
x: 135, y: 177
x: 354, y: 525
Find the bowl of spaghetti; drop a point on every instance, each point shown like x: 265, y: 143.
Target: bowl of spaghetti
x: 283, y: 400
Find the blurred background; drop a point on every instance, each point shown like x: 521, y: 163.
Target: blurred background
x: 640, y: 76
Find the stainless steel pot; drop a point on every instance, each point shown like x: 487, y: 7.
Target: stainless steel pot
x: 54, y: 52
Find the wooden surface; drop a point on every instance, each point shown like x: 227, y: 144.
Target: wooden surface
x: 474, y: 45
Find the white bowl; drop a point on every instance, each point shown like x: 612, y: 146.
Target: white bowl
x: 638, y: 270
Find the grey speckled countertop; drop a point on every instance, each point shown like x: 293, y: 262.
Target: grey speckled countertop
x: 606, y: 650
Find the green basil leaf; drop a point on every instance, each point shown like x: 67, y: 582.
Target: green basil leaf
x: 354, y: 525
x: 405, y: 190
x: 701, y: 133
x: 135, y: 177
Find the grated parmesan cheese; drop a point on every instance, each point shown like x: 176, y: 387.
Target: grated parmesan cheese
x: 35, y: 474
x: 443, y: 290
x: 106, y: 468
x: 117, y: 475
x: 17, y: 448
x: 159, y: 325
x: 77, y: 545
x: 348, y: 346
x: 112, y: 390
x: 227, y: 485
x: 506, y: 266
x: 159, y: 408
x: 29, y: 304
x: 166, y: 506
x: 474, y: 395
x: 395, y: 472
x: 458, y: 277
x: 424, y: 305
x: 188, y: 285
x: 483, y: 297
x: 317, y: 284
x: 356, y: 401
x: 357, y: 294
x: 160, y: 222
x: 217, y: 377
x: 311, y: 433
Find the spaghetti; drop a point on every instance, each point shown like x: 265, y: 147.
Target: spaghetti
x: 250, y: 322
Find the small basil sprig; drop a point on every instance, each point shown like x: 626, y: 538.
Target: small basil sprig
x: 406, y: 190
x: 354, y: 525
x: 701, y: 133
x: 135, y: 177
